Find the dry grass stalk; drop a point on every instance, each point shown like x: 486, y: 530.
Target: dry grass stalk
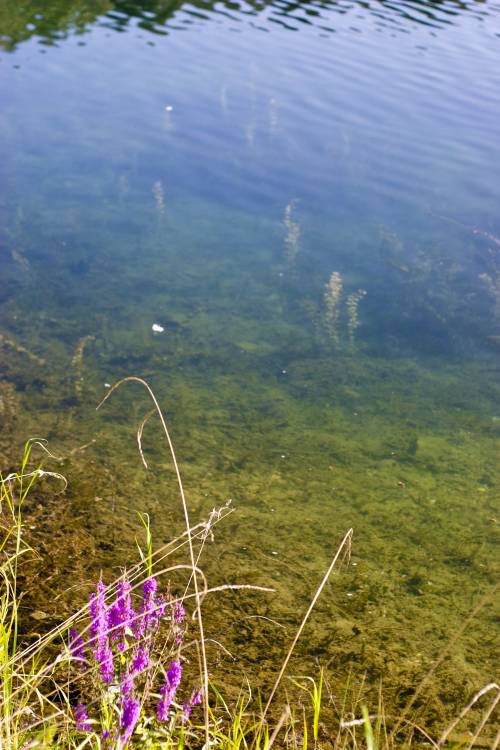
x: 465, y: 711
x: 142, y: 382
x: 344, y: 548
x: 442, y: 656
x: 277, y: 729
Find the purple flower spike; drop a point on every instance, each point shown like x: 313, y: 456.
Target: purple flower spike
x: 130, y: 716
x: 82, y: 718
x: 99, y: 615
x: 197, y: 697
x: 140, y: 660
x: 169, y: 689
x: 121, y: 614
x: 150, y: 586
x: 163, y: 707
x: 151, y: 610
x: 179, y: 613
x: 161, y: 606
x: 174, y: 675
x: 106, y: 665
x: 127, y: 684
x: 77, y: 648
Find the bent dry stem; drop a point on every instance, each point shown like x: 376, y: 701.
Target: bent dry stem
x: 188, y: 527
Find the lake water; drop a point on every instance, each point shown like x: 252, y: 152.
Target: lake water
x: 304, y: 198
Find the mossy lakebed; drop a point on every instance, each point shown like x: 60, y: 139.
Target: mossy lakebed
x: 403, y: 453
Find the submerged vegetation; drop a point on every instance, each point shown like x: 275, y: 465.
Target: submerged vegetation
x: 130, y: 668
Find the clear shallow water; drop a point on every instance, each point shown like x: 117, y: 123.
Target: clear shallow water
x: 207, y: 168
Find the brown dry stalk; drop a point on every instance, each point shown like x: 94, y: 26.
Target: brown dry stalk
x: 476, y: 697
x: 441, y: 657
x: 284, y: 716
x: 345, y: 546
x: 484, y: 720
x: 139, y: 437
x: 135, y: 379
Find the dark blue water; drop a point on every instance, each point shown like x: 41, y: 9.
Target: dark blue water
x: 304, y: 198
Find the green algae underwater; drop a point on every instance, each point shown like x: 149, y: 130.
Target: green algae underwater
x: 305, y: 439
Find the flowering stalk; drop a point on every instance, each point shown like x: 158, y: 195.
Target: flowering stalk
x: 123, y: 648
x: 169, y: 690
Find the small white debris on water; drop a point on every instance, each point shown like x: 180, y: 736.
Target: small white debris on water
x: 168, y: 108
x: 157, y: 328
x: 107, y: 385
x: 283, y: 455
x: 283, y: 372
x: 273, y: 552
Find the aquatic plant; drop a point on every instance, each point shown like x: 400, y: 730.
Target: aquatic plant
x: 493, y: 286
x: 292, y: 233
x: 333, y: 321
x: 159, y: 196
x: 353, y: 321
x: 77, y: 363
x: 332, y: 298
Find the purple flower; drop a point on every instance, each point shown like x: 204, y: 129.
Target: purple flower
x: 140, y: 659
x: 161, y: 606
x: 169, y: 689
x: 197, y: 697
x: 152, y: 608
x: 121, y: 614
x: 106, y: 666
x: 99, y: 626
x: 174, y: 675
x: 82, y: 718
x: 99, y: 615
x: 179, y: 613
x: 150, y: 586
x: 130, y: 716
x: 163, y: 707
x: 127, y: 683
x: 77, y: 647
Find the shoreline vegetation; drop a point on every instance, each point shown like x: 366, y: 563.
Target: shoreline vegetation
x: 130, y: 668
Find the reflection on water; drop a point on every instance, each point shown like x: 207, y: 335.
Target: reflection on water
x: 54, y: 21
x: 294, y: 237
